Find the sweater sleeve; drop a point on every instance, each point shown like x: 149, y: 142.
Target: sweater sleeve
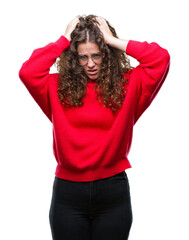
x: 34, y: 73
x: 154, y: 62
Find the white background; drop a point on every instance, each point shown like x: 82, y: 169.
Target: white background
x: 159, y: 153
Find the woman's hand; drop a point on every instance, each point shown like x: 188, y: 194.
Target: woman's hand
x: 104, y: 28
x: 71, y: 26
x: 108, y: 36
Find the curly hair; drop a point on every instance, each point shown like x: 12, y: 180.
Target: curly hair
x: 72, y: 82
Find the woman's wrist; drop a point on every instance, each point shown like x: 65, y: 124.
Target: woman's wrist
x: 120, y: 44
x: 67, y: 36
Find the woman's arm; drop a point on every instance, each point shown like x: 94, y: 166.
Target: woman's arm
x: 109, y: 38
x: 34, y: 73
x: 120, y: 44
x: 149, y: 75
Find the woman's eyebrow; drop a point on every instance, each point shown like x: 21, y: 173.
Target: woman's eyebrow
x: 91, y: 54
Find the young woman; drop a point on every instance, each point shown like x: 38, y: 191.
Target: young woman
x: 93, y: 103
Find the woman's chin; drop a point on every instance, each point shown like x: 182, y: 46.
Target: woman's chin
x: 93, y: 77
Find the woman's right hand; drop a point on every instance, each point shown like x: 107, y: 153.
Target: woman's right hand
x: 70, y: 27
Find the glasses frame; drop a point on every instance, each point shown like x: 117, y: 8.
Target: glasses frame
x: 99, y: 61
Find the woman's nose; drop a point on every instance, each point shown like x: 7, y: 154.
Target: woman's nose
x: 90, y: 63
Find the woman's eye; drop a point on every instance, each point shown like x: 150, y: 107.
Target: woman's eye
x: 96, y: 55
x: 83, y: 57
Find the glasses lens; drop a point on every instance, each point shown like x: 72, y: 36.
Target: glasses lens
x: 96, y: 58
x: 83, y: 59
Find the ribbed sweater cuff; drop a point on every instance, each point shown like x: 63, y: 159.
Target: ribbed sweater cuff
x: 62, y: 43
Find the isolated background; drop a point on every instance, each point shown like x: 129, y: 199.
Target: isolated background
x: 159, y: 153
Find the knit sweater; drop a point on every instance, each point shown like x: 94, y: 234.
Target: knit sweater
x: 90, y: 142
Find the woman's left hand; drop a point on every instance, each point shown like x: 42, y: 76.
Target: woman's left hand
x: 105, y: 29
x: 108, y: 36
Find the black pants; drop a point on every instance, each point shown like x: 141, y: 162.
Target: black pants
x: 96, y: 210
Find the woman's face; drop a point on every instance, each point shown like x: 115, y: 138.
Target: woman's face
x: 90, y: 58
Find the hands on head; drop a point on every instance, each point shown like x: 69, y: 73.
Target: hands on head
x: 70, y: 27
x: 102, y: 24
x: 104, y: 28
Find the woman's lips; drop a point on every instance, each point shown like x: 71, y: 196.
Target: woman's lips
x: 92, y: 71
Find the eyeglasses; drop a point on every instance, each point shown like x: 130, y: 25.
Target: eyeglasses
x: 96, y: 58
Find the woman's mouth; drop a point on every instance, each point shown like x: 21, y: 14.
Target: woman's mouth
x: 92, y: 71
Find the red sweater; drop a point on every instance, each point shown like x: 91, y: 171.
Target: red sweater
x: 91, y: 143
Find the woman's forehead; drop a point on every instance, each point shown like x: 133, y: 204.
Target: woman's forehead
x: 88, y: 48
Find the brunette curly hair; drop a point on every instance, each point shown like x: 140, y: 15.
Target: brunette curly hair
x: 72, y: 78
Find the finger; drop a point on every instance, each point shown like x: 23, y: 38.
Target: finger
x: 99, y: 20
x: 102, y: 22
x: 74, y: 21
